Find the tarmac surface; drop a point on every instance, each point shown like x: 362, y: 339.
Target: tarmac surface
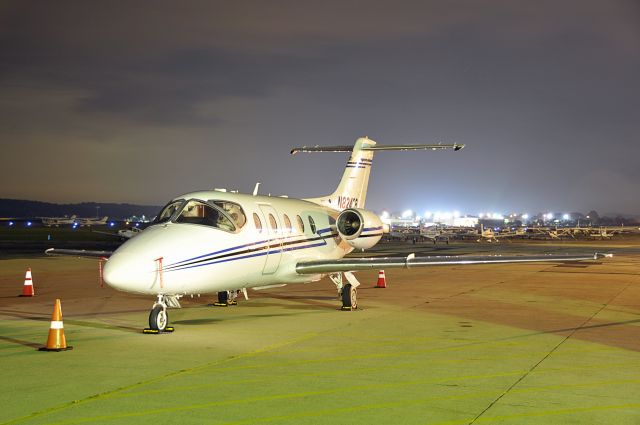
x: 519, y: 344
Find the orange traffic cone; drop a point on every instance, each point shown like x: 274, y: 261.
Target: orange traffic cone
x: 56, y: 340
x: 382, y: 280
x: 27, y: 288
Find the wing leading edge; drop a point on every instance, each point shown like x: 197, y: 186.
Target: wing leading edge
x: 411, y: 261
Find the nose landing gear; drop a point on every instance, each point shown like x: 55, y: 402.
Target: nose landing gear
x: 159, y: 318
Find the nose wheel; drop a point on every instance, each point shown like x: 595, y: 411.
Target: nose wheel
x: 158, y: 318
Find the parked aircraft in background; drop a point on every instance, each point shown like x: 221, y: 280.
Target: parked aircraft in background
x: 489, y: 235
x: 124, y: 234
x: 58, y: 221
x: 214, y: 241
x: 92, y: 221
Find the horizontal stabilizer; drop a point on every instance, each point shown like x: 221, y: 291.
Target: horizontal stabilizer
x: 439, y: 146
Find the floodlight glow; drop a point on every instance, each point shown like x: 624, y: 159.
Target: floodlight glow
x: 548, y: 216
x: 427, y: 215
x: 29, y: 224
x: 525, y: 216
x: 407, y: 214
x: 480, y: 215
x: 456, y: 214
x: 11, y: 223
x: 565, y: 216
x: 385, y: 214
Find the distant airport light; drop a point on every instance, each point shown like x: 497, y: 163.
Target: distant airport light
x: 29, y: 224
x: 111, y: 224
x: 11, y: 223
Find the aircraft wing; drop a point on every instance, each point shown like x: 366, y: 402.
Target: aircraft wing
x: 78, y: 253
x: 411, y: 261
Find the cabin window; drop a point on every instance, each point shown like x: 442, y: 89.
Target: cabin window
x: 312, y: 225
x: 273, y: 222
x: 287, y: 224
x: 300, y: 224
x: 257, y: 222
x: 233, y: 210
x: 198, y: 212
x: 168, y: 211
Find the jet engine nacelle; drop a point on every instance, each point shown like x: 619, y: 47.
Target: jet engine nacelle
x: 360, y: 228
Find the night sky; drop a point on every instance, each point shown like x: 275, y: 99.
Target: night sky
x: 142, y: 101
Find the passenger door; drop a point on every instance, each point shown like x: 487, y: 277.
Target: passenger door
x: 273, y: 228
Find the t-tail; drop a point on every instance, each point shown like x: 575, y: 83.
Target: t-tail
x: 352, y: 189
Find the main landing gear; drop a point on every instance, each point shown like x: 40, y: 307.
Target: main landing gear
x: 347, y: 293
x: 159, y: 317
x: 349, y: 297
x: 226, y: 298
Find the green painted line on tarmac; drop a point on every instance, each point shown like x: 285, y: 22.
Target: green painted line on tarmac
x: 358, y: 371
x: 543, y: 413
x: 407, y: 402
x: 297, y: 395
x: 285, y: 396
x: 159, y: 378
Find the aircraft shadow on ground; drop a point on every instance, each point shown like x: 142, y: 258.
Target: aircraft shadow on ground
x: 21, y: 342
x: 47, y: 318
x: 210, y: 320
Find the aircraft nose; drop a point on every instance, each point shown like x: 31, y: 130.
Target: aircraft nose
x: 127, y: 273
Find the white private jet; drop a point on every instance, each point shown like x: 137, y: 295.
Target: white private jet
x: 223, y: 242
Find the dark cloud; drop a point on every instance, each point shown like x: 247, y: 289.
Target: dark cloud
x: 545, y: 94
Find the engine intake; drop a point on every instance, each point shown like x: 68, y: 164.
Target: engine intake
x: 360, y: 228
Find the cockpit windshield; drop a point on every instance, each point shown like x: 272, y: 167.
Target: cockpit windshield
x: 199, y: 212
x: 168, y: 211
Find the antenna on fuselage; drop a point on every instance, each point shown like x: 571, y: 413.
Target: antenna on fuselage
x: 255, y: 189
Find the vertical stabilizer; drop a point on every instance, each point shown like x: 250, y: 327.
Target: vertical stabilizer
x: 352, y: 189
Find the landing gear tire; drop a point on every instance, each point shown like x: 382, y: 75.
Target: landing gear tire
x: 349, y: 297
x: 158, y: 319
